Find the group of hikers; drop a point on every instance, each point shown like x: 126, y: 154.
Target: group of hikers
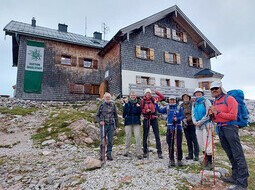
x: 193, y: 116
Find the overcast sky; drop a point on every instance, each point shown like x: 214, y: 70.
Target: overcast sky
x: 228, y: 24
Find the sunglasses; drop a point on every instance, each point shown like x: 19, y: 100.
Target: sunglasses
x: 215, y: 88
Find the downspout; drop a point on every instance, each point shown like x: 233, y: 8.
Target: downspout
x: 120, y: 66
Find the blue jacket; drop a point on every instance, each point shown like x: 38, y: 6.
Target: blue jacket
x: 199, y: 108
x: 132, y: 114
x: 173, y: 111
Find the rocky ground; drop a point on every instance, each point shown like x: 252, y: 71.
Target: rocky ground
x: 55, y: 145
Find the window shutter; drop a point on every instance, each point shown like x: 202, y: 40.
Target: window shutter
x: 87, y: 88
x: 58, y: 59
x: 80, y: 61
x: 178, y: 59
x: 138, y: 51
x: 152, y: 81
x: 151, y: 54
x: 156, y: 29
x: 162, y: 82
x: 168, y: 33
x: 71, y: 85
x: 166, y: 57
x: 185, y: 37
x: 182, y: 85
x: 95, y: 64
x: 73, y: 61
x: 200, y: 62
x: 174, y: 34
x: 200, y: 84
x: 138, y: 80
x: 190, y: 61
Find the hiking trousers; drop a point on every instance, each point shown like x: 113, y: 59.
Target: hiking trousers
x: 191, y: 137
x: 137, y: 133
x: 230, y: 142
x: 201, y: 138
x: 108, y: 132
x: 146, y: 128
x: 170, y: 139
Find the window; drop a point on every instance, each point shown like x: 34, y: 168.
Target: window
x: 87, y: 63
x: 83, y: 88
x: 165, y: 82
x: 177, y: 83
x: 179, y: 36
x: 195, y: 62
x: 144, y: 53
x: 65, y: 60
x: 170, y: 57
x: 145, y: 80
x: 180, y: 83
x: 205, y: 85
x: 161, y: 32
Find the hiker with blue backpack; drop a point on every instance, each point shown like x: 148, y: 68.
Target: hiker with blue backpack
x: 230, y: 114
x: 175, y: 115
x: 200, y: 118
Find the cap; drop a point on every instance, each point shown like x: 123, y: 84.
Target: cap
x: 186, y: 95
x: 147, y: 90
x: 198, y: 90
x: 218, y: 84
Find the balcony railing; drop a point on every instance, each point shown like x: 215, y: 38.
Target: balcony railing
x: 166, y: 91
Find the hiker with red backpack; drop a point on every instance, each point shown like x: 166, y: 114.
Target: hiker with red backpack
x: 150, y: 119
x: 231, y: 115
x: 175, y: 115
x: 200, y: 118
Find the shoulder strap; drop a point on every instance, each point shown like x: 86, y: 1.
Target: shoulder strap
x: 204, y: 100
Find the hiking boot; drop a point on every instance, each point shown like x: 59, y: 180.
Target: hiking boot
x: 146, y: 155
x: 100, y: 158
x: 180, y: 163
x: 126, y: 154
x: 189, y: 158
x: 238, y: 187
x: 139, y: 157
x: 209, y: 165
x: 160, y: 156
x: 196, y: 158
x: 171, y: 163
x: 228, y: 179
x: 109, y: 157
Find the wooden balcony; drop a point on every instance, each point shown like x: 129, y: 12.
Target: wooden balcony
x: 166, y: 91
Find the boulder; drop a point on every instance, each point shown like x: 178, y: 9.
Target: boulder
x: 78, y: 125
x: 48, y: 142
x: 92, y: 163
x: 92, y: 131
x: 88, y: 140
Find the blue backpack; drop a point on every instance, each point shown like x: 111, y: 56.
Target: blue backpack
x: 243, y: 113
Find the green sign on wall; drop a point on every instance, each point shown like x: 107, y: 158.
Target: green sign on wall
x: 34, y: 67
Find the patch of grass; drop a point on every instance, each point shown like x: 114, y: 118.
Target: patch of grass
x: 17, y: 111
x: 160, y: 170
x: 9, y: 145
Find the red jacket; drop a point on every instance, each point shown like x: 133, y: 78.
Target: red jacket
x: 227, y: 112
x: 149, y: 104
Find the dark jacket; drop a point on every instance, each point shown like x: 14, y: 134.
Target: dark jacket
x: 187, y: 109
x: 107, y: 112
x: 132, y: 114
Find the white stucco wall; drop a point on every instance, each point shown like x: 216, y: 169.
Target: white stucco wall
x: 129, y: 77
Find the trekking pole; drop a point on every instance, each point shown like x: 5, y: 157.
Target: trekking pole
x: 103, y: 151
x: 212, y: 150
x: 205, y: 153
x: 177, y: 161
x: 172, y: 139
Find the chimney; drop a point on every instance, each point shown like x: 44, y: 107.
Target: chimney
x: 97, y: 35
x: 62, y: 27
x: 33, y: 22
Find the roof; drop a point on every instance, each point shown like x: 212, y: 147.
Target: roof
x: 15, y: 27
x: 204, y: 43
x: 208, y: 73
